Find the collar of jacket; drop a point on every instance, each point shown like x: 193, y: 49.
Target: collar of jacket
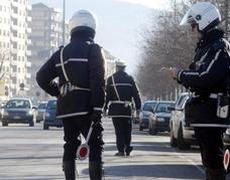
x: 82, y: 35
x: 210, y: 37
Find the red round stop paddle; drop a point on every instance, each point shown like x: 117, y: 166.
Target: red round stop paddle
x: 226, y: 159
x: 83, y: 149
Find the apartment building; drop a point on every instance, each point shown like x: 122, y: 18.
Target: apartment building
x: 14, y: 51
x: 46, y: 37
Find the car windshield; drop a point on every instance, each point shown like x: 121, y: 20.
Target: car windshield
x: 52, y: 104
x: 149, y: 106
x: 18, y: 104
x: 42, y: 106
x: 163, y: 107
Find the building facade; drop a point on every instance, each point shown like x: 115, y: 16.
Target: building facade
x: 14, y: 46
x: 46, y: 37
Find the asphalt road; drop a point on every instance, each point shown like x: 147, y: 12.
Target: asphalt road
x: 35, y: 154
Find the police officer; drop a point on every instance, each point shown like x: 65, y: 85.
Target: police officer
x: 120, y: 91
x: 208, y: 79
x: 80, y: 91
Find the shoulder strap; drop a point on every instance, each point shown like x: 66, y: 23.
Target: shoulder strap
x: 62, y: 64
x: 115, y: 88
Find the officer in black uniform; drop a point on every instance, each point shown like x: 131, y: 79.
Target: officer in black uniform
x: 121, y: 90
x: 80, y: 91
x: 208, y: 79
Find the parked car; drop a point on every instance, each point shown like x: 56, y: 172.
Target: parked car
x: 41, y: 111
x: 19, y: 110
x: 146, y: 113
x: 160, y: 119
x: 181, y: 134
x: 50, y: 116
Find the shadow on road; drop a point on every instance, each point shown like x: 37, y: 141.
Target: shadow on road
x: 150, y: 146
x: 154, y: 171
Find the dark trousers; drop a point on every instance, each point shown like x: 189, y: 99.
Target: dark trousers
x: 73, y: 126
x: 123, y: 130
x: 211, y: 146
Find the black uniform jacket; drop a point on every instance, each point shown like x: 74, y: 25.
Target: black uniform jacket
x: 84, y: 65
x: 207, y: 76
x: 119, y: 103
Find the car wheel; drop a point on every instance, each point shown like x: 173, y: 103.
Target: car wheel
x: 31, y: 124
x: 4, y: 123
x: 140, y: 128
x: 181, y: 144
x: 173, y: 140
x: 45, y: 127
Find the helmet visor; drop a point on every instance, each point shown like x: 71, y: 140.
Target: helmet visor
x: 188, y: 19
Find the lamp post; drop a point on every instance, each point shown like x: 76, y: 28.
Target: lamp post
x: 63, y: 24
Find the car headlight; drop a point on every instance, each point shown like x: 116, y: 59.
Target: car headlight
x: 5, y: 113
x: 30, y: 112
x: 160, y: 119
x: 47, y: 114
x: 228, y: 131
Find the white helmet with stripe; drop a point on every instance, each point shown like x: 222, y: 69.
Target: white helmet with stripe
x: 204, y: 14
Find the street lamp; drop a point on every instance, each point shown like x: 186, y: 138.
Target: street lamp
x: 63, y: 24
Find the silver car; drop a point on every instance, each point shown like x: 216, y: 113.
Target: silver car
x: 181, y: 134
x: 41, y: 111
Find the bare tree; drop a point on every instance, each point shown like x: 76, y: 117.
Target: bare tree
x: 167, y: 44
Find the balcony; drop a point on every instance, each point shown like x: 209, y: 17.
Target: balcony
x: 29, y: 7
x: 28, y: 64
x: 14, y: 15
x: 29, y: 19
x: 13, y: 51
x: 28, y: 41
x: 28, y: 75
x: 28, y: 53
x: 13, y: 75
x: 14, y: 27
x: 14, y: 3
x: 28, y: 30
x: 13, y: 63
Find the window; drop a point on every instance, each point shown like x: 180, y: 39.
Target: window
x: 18, y: 104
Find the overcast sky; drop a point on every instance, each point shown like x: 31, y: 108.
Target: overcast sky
x: 120, y: 23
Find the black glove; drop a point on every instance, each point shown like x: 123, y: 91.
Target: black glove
x: 95, y: 116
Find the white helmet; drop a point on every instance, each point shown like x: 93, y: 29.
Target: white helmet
x: 120, y: 64
x: 204, y: 14
x: 82, y: 19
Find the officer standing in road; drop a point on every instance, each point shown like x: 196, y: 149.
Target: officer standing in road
x: 121, y: 90
x: 80, y: 91
x: 208, y: 79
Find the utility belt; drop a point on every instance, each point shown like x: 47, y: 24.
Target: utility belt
x: 68, y: 87
x: 199, y: 108
x: 126, y: 103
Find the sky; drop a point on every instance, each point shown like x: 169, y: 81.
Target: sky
x: 120, y: 23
